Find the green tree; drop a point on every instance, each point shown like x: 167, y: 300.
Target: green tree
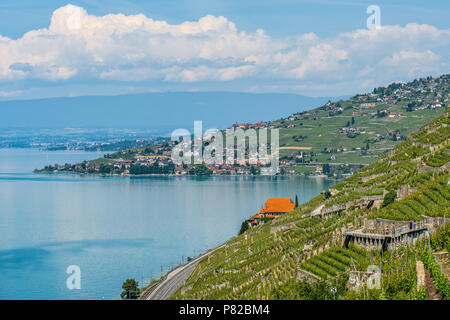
x: 200, y: 170
x: 255, y: 170
x: 326, y: 168
x: 130, y: 290
x: 389, y: 198
x: 244, y: 227
x: 410, y: 107
x: 296, y: 201
x: 105, y: 169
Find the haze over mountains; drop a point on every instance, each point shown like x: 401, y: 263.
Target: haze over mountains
x: 163, y: 111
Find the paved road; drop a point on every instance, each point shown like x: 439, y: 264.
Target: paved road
x: 176, y: 278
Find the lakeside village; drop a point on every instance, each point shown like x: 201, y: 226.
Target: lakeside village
x: 391, y: 104
x: 158, y: 160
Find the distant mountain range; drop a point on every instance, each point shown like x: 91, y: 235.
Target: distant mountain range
x: 163, y: 111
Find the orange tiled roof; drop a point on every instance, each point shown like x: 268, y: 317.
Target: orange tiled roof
x: 278, y: 205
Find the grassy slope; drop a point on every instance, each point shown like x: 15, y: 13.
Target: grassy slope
x: 324, y: 133
x: 261, y: 264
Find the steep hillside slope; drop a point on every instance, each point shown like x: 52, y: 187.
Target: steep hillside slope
x: 268, y: 261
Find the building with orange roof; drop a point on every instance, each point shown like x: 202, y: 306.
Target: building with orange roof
x: 277, y: 206
x: 273, y: 208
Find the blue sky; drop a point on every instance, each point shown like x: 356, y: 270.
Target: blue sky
x: 306, y: 47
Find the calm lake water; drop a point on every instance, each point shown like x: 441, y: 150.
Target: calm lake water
x: 115, y: 228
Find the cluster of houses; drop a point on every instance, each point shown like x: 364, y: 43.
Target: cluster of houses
x: 160, y: 156
x: 395, y: 135
x: 185, y: 169
x: 421, y: 90
x: 257, y: 125
x: 367, y: 105
x: 288, y: 164
x: 436, y: 104
x: 151, y: 160
x: 335, y: 150
x: 224, y: 169
x: 352, y: 132
x: 334, y: 108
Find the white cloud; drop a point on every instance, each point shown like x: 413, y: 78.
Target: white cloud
x: 136, y: 48
x: 423, y: 58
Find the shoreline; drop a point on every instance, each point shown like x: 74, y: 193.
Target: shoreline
x: 184, y: 175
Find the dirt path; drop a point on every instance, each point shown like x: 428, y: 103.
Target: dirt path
x: 431, y: 290
x: 420, y: 270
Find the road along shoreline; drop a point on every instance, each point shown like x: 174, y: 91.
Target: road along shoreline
x: 174, y: 279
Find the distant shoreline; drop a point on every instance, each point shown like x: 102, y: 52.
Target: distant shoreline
x: 185, y: 175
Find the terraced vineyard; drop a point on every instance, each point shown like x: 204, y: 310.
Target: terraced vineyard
x: 432, y: 199
x: 264, y: 263
x: 334, y: 261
